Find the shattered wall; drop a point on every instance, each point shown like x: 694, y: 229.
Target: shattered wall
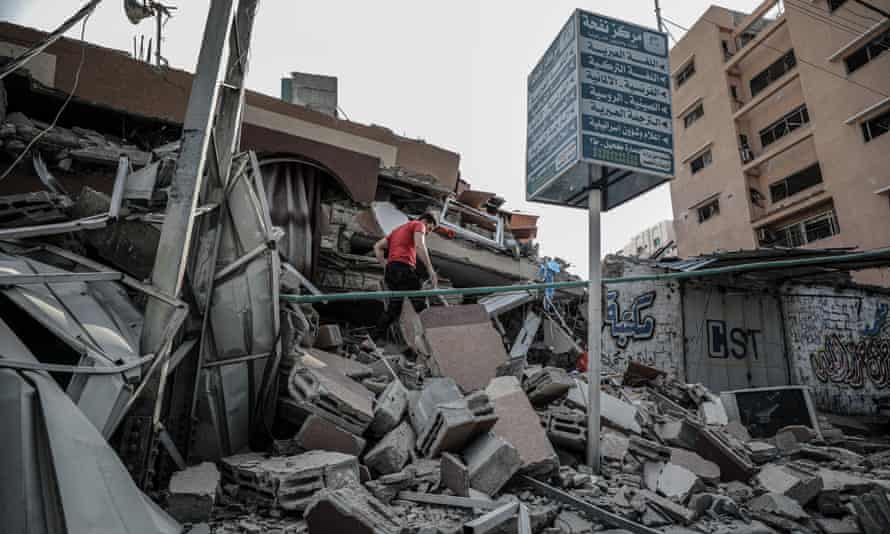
x: 839, y: 342
x: 642, y: 321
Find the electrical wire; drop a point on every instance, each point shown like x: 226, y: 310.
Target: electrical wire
x: 801, y: 60
x: 83, y: 53
x: 855, y: 28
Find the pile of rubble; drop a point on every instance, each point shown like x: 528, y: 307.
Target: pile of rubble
x: 500, y: 448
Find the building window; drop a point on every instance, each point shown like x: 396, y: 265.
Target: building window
x: 834, y: 4
x: 821, y: 226
x: 876, y: 127
x: 700, y: 162
x: 773, y: 72
x: 708, y: 210
x: 784, y: 126
x: 696, y: 113
x: 868, y: 52
x: 656, y: 242
x: 684, y: 74
x: 796, y: 183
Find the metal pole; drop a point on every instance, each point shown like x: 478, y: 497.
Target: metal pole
x: 658, y: 16
x: 594, y: 331
x: 159, y: 14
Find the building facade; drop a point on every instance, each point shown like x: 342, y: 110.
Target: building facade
x: 782, y: 129
x: 653, y: 239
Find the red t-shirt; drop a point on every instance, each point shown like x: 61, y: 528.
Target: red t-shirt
x: 401, y: 242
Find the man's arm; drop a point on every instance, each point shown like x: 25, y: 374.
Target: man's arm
x: 420, y: 245
x: 379, y: 247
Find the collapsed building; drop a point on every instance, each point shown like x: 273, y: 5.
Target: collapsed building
x: 245, y: 410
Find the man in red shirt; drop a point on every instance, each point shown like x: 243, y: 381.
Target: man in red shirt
x: 405, y: 243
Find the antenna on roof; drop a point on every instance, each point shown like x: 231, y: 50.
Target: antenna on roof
x: 137, y: 10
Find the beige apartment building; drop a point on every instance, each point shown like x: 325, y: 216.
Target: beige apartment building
x: 782, y: 126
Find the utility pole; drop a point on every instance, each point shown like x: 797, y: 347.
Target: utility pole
x: 872, y: 7
x: 658, y: 16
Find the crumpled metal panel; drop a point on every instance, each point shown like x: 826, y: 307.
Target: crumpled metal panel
x: 57, y: 472
x: 94, y: 318
x: 243, y: 318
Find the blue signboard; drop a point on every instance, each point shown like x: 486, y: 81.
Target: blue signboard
x: 599, y: 114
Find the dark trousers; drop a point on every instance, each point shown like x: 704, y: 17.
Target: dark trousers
x: 398, y: 277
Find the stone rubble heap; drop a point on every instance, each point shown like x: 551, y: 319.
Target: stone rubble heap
x: 375, y: 453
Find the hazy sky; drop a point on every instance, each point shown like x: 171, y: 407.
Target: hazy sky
x: 452, y: 73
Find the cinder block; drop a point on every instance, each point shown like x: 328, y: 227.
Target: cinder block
x: 318, y: 433
x: 391, y: 405
x: 192, y: 493
x: 491, y: 462
x: 392, y: 452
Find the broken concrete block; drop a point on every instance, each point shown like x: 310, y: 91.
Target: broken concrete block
x: 455, y: 474
x: 547, y: 384
x: 491, y: 462
x: 787, y: 443
x: 737, y: 430
x: 567, y: 428
x: 350, y: 509
x: 463, y: 344
x: 326, y: 392
x: 790, y: 481
x: 712, y: 411
x: 422, y: 475
x: 762, y: 452
x: 392, y: 452
x: 288, y: 482
x: 520, y: 426
x: 843, y: 481
x: 391, y: 405
x: 435, y: 391
x: 329, y: 337
x: 614, y: 446
x: 317, y: 358
x: 676, y: 482
x: 318, y: 433
x: 672, y: 509
x: 670, y: 432
x: 192, y: 493
x: 716, y: 446
x: 648, y: 450
x: 774, y: 503
x: 619, y: 414
x: 651, y: 472
x: 704, y: 469
x: 455, y: 424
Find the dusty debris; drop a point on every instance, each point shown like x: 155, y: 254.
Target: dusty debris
x: 192, y: 493
x: 350, y: 509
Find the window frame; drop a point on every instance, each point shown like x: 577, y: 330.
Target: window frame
x: 786, y: 182
x: 778, y: 68
x: 692, y: 116
x: 708, y: 210
x: 706, y: 159
x: 684, y: 74
x: 881, y: 43
x: 796, y: 234
x: 787, y: 127
x: 868, y: 125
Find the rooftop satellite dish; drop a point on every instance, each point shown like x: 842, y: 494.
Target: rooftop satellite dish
x: 136, y: 10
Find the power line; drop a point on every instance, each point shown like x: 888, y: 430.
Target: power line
x: 825, y: 12
x: 83, y: 53
x: 815, y: 66
x: 856, y: 29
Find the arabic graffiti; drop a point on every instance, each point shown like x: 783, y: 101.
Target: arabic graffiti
x: 853, y: 363
x: 630, y: 324
x: 880, y: 320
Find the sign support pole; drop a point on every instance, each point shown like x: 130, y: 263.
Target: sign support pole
x: 594, y: 330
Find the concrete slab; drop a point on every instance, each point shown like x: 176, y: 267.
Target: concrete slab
x: 350, y: 509
x: 781, y: 505
x: 704, y: 469
x: 471, y: 353
x: 392, y: 452
x: 491, y: 462
x: 677, y: 482
x: 317, y: 433
x: 787, y: 480
x: 519, y: 425
x: 328, y: 393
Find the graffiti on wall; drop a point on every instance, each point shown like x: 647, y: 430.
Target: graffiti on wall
x: 737, y: 342
x: 857, y: 362
x: 630, y: 324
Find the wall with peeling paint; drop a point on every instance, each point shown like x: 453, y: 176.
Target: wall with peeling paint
x: 839, y: 344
